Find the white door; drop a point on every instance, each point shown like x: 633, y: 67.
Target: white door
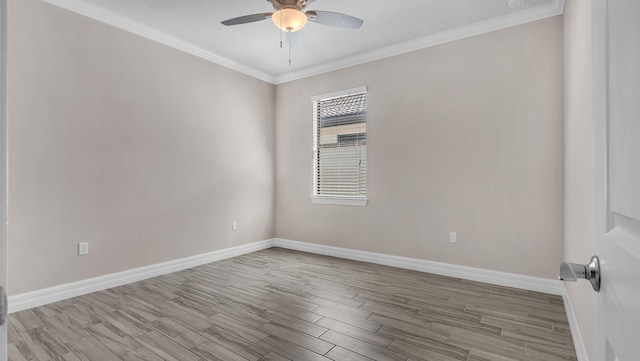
x: 3, y: 170
x: 616, y: 46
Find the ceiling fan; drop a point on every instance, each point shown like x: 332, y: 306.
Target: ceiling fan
x: 291, y: 16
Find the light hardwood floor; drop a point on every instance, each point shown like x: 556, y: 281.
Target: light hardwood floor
x: 280, y: 304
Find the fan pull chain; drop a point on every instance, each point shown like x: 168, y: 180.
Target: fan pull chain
x: 281, y: 30
x: 289, y: 52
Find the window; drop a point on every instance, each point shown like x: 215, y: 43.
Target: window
x: 340, y: 147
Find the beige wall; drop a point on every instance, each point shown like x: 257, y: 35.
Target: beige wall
x: 464, y: 137
x: 148, y: 153
x: 578, y: 238
x: 143, y: 151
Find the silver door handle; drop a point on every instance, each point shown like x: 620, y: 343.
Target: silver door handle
x: 571, y: 272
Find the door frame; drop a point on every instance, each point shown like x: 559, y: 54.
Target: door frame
x: 3, y: 164
x: 601, y: 155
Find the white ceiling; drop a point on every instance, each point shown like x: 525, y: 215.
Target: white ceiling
x: 390, y: 27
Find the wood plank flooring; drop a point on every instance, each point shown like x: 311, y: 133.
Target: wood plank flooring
x: 280, y: 304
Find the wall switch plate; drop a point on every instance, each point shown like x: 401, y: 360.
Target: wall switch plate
x: 453, y: 237
x: 83, y: 248
x: 234, y: 225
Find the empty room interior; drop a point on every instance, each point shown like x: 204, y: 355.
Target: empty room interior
x: 378, y: 181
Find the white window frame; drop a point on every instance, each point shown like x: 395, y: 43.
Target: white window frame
x: 332, y: 200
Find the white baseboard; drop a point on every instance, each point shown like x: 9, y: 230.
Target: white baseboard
x: 578, y: 341
x: 57, y: 293
x: 537, y: 284
x: 44, y: 296
x: 469, y: 273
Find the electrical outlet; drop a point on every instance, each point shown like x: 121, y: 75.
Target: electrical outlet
x: 234, y: 225
x: 453, y: 237
x: 83, y: 248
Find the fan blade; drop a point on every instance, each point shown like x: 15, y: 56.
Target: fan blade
x: 246, y: 19
x: 334, y: 19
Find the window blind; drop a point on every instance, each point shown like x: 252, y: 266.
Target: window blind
x: 340, y: 146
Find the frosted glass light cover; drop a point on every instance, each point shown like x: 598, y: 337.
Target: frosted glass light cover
x: 289, y: 20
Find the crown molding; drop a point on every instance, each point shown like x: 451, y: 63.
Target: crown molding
x: 118, y: 21
x: 554, y: 8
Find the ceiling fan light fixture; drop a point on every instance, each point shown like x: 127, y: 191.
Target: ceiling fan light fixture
x: 289, y: 20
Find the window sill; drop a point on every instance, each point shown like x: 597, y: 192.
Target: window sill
x: 357, y: 202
